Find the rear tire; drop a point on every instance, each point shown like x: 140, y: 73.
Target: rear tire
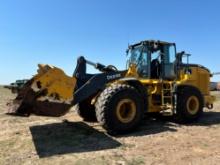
x: 119, y: 108
x: 189, y: 104
x: 86, y: 111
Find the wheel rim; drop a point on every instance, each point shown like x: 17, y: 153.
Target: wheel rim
x: 192, y: 105
x: 126, y: 110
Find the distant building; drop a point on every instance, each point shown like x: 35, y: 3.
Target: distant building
x: 213, y: 86
x: 218, y: 86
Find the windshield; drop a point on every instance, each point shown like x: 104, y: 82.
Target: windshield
x: 138, y: 56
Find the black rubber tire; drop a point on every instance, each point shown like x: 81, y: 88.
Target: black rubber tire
x: 86, y: 111
x: 106, y: 108
x: 182, y: 114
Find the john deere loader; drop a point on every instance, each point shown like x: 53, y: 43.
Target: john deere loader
x: 155, y: 80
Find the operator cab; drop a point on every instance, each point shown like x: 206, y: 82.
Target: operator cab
x: 153, y: 59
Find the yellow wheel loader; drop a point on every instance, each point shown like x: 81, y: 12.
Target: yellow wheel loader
x: 156, y: 80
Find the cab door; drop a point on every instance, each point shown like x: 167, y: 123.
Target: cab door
x: 169, y: 59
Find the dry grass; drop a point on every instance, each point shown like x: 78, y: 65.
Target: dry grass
x: 216, y: 94
x: 45, y: 140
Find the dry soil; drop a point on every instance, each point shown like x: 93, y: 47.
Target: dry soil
x: 69, y: 140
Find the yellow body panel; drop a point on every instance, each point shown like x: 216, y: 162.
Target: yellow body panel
x: 199, y: 78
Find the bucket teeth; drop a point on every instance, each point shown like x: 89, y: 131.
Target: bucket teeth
x: 28, y: 104
x: 13, y: 108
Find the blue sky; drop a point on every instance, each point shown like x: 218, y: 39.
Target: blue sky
x: 58, y: 31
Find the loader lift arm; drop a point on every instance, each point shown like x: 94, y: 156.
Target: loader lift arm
x: 89, y: 84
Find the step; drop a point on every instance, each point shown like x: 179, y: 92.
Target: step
x: 167, y: 112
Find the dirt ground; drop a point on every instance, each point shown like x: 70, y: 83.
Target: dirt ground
x: 45, y: 140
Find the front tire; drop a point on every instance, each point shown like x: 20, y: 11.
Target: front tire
x: 86, y: 111
x: 119, y: 108
x: 189, y: 104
